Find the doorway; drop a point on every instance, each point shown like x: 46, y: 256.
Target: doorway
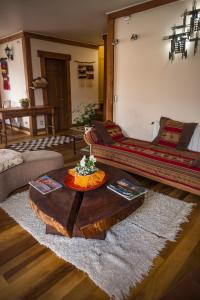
x: 56, y: 68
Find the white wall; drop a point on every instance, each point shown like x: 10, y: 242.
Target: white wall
x: 86, y: 93
x: 17, y: 78
x: 146, y: 83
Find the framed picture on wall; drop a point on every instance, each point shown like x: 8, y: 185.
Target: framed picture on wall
x: 85, y: 71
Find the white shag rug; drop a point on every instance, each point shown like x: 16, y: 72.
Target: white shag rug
x: 126, y: 255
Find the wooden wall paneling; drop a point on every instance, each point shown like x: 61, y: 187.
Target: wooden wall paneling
x: 29, y: 78
x: 66, y: 58
x: 110, y: 70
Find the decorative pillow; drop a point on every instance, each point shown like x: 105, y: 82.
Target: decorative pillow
x: 108, y: 131
x: 9, y: 158
x: 114, y: 131
x: 162, y: 125
x: 171, y: 134
x: 187, y: 133
x: 91, y: 137
x: 174, y: 134
x: 102, y: 133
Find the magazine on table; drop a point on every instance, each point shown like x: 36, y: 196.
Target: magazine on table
x: 45, y: 184
x: 127, y: 189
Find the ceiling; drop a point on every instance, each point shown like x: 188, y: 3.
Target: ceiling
x: 80, y: 20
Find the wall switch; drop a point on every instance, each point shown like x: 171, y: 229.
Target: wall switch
x: 115, y: 98
x: 41, y: 122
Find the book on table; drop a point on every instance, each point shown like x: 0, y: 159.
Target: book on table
x: 45, y: 184
x: 126, y: 189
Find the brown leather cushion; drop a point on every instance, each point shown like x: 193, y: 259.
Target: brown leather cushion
x: 188, y: 130
x: 102, y: 132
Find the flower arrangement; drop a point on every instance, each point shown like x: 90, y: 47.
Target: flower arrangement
x: 86, y: 174
x: 86, y: 166
x: 24, y: 102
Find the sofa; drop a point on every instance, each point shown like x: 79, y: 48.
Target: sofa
x: 168, y: 165
x: 32, y: 165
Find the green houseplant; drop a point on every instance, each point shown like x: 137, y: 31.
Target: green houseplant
x: 87, y: 113
x: 24, y: 102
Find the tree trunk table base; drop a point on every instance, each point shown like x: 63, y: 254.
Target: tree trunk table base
x: 87, y: 215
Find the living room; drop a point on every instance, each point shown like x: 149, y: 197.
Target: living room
x: 102, y: 110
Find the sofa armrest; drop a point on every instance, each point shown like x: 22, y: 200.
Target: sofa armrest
x: 90, y: 137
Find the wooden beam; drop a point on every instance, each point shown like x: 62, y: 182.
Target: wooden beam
x: 29, y: 78
x: 105, y: 76
x: 60, y: 41
x: 138, y: 8
x: 11, y: 38
x: 110, y: 70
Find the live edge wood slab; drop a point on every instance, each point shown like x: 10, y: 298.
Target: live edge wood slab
x: 77, y: 214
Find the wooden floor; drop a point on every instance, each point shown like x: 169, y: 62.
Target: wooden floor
x: 28, y: 270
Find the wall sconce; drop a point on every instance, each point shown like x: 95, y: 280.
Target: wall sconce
x: 195, y: 18
x: 190, y: 32
x: 9, y: 53
x: 115, y: 42
x: 196, y: 40
x: 134, y: 36
x: 178, y: 43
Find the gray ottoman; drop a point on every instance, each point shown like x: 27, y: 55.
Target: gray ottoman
x: 35, y: 164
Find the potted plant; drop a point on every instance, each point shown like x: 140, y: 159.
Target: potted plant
x: 24, y: 102
x: 86, y: 175
x: 87, y: 113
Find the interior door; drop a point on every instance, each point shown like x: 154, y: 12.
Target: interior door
x: 56, y: 74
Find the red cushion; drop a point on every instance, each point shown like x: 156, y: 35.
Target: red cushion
x: 114, y: 131
x: 171, y: 134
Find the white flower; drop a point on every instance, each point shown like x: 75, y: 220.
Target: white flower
x: 82, y: 162
x: 92, y: 158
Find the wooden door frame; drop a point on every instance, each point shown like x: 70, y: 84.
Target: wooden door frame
x: 66, y: 58
x: 0, y: 98
x: 28, y: 71
x: 110, y: 48
x: 105, y: 76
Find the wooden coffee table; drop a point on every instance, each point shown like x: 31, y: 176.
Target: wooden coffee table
x: 89, y: 214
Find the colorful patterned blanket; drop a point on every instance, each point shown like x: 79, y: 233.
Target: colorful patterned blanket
x: 167, y: 165
x: 159, y: 153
